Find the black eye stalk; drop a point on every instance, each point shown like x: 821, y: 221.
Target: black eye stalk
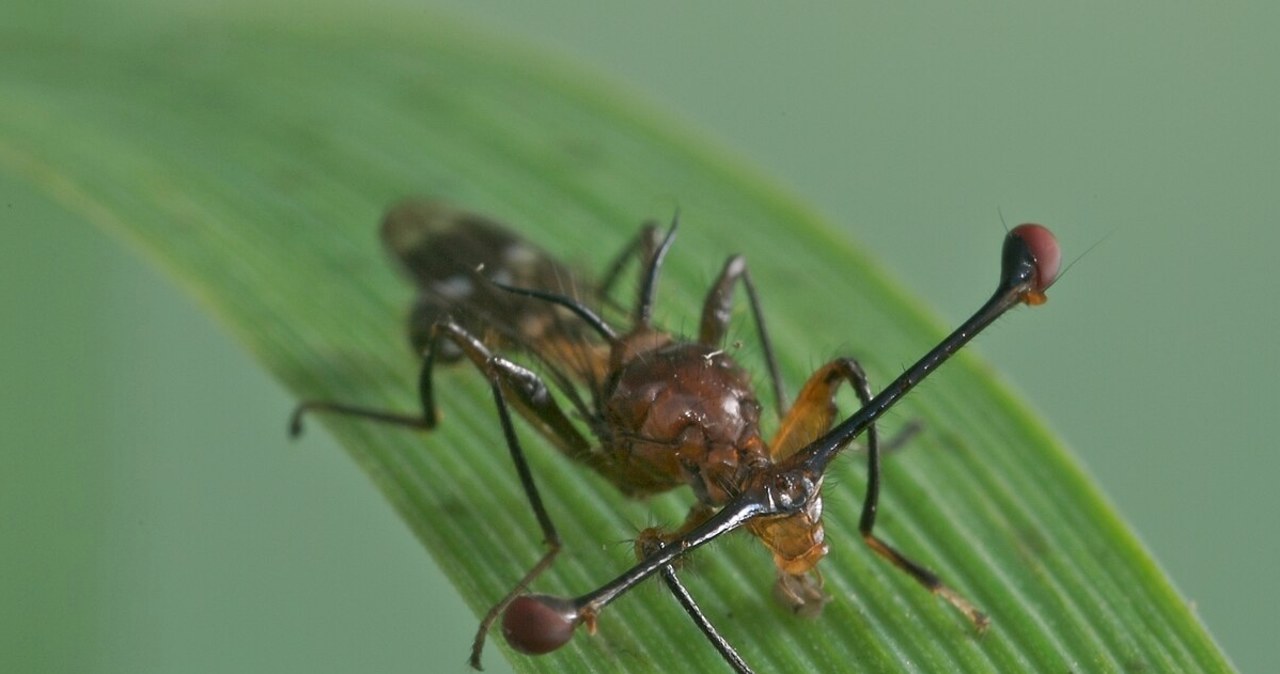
x: 537, y: 624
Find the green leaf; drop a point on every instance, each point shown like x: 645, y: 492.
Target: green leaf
x: 251, y: 153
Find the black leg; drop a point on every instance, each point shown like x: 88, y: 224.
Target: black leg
x: 549, y: 534
x: 682, y: 595
x: 651, y: 541
x: 790, y: 541
x: 510, y: 384
x: 642, y: 314
x: 871, y: 502
x: 717, y: 309
x: 641, y: 246
x: 525, y: 389
x: 811, y: 417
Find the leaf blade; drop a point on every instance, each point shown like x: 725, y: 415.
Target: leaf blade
x: 256, y: 177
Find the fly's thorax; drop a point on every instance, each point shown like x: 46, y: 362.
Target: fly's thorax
x: 683, y: 413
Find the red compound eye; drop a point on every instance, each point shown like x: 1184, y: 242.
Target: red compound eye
x: 1044, y: 247
x: 537, y: 624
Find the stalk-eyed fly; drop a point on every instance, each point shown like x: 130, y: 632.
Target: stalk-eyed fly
x: 659, y: 410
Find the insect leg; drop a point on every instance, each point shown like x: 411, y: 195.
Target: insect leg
x: 643, y: 311
x: 722, y: 645
x: 903, y: 437
x: 814, y: 412
x: 858, y: 378
x: 717, y: 309
x: 508, y: 382
x: 530, y: 395
x: 690, y: 606
x: 549, y: 534
x: 383, y: 416
x: 653, y: 540
x: 520, y: 386
x: 641, y: 245
x: 798, y: 544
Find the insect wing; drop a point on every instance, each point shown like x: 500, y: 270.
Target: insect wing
x: 450, y: 255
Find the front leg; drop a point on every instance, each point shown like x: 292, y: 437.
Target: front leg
x: 798, y: 542
x: 525, y: 389
x: 507, y: 381
x: 809, y: 419
x: 650, y: 542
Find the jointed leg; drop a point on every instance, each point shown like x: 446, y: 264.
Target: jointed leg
x: 651, y: 541
x: 524, y: 389
x: 815, y: 408
x: 508, y: 382
x: 549, y: 534
x: 809, y: 418
x: 708, y: 630
x: 717, y: 310
x: 641, y: 246
x: 867, y: 523
x: 797, y: 546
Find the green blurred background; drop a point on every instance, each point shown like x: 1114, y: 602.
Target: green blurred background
x: 129, y: 417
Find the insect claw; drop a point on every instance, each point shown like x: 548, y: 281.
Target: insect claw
x: 295, y: 421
